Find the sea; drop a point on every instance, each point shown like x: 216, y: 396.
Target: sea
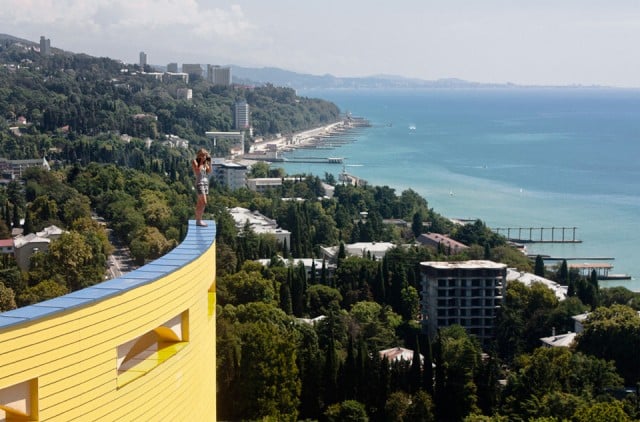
x: 525, y: 158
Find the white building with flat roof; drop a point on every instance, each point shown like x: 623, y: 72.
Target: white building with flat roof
x: 229, y: 174
x: 467, y: 293
x: 259, y: 223
x: 376, y: 250
x: 528, y: 279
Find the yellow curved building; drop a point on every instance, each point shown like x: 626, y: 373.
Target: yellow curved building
x: 141, y: 347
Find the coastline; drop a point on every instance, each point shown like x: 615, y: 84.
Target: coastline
x: 296, y: 140
x: 487, y: 155
x: 323, y: 137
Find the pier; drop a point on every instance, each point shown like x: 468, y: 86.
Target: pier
x: 330, y: 160
x: 602, y: 271
x: 539, y: 234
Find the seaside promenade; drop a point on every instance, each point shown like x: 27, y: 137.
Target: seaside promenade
x: 298, y: 139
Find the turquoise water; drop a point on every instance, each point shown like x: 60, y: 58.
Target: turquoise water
x: 511, y: 157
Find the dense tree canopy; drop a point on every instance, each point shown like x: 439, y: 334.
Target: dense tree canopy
x: 104, y: 126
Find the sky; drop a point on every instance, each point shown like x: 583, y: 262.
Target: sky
x: 529, y: 42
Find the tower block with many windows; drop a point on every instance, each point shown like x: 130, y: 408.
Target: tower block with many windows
x: 467, y: 293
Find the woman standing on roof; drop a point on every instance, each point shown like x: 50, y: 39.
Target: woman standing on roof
x: 201, y: 167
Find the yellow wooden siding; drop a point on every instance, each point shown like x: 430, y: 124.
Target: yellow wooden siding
x: 73, y: 353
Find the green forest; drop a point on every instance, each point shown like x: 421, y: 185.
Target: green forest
x: 271, y: 364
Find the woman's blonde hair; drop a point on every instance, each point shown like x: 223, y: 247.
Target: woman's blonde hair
x: 202, y: 152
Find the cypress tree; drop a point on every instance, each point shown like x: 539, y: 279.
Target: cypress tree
x: 487, y: 251
x: 440, y: 382
x: 28, y: 223
x: 349, y: 373
x: 285, y: 297
x: 323, y: 273
x: 7, y: 214
x: 16, y: 217
x: 563, y: 275
x: 330, y: 373
x: 593, y: 280
x: 539, y: 267
x: 378, y: 289
x: 415, y: 371
x: 416, y: 224
x: 361, y: 370
x: 342, y: 254
x: 312, y: 279
x: 427, y: 370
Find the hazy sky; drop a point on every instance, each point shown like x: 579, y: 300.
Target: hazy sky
x: 519, y: 41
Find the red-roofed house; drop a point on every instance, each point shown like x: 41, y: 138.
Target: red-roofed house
x: 450, y: 246
x: 6, y: 246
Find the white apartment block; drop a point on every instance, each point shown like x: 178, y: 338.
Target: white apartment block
x: 218, y: 75
x: 229, y: 174
x: 242, y: 115
x: 467, y: 293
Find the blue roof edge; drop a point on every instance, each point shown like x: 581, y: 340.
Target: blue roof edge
x: 198, y: 240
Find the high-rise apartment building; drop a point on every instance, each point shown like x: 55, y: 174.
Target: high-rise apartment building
x: 467, y: 293
x: 219, y: 75
x: 172, y: 67
x: 192, y: 69
x: 45, y: 46
x: 143, y: 60
x: 241, y: 115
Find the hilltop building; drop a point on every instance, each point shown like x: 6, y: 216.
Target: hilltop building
x: 218, y: 75
x: 467, y: 293
x: 172, y: 68
x: 45, y: 46
x: 192, y: 69
x: 143, y: 60
x: 241, y: 115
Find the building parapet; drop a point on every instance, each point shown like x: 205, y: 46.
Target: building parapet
x: 138, y: 347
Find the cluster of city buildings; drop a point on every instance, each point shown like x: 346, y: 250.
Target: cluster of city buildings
x: 217, y: 75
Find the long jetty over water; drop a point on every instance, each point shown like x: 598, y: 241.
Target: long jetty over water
x: 539, y: 234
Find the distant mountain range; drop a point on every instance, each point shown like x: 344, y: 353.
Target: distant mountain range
x: 286, y: 78
x: 280, y: 77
